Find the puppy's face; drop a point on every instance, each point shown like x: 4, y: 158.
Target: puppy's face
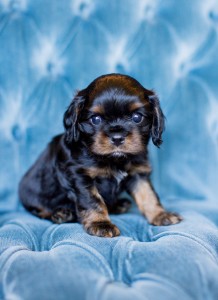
x: 117, y: 123
x: 114, y: 116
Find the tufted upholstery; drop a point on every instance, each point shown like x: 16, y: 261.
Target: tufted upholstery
x: 48, y: 49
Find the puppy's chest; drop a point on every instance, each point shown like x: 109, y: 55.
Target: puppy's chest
x: 111, y: 182
x: 110, y: 187
x: 119, y: 176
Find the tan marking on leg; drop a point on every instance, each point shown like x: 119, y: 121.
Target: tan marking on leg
x: 94, y: 192
x: 91, y: 215
x: 146, y: 200
x: 97, y: 221
x: 95, y: 215
x: 151, y: 207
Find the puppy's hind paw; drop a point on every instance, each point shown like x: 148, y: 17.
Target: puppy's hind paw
x: 122, y: 206
x: 166, y: 218
x: 63, y: 215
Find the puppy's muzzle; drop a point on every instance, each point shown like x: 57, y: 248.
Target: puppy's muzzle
x: 117, y: 135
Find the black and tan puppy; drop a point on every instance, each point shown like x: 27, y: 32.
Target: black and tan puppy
x: 82, y: 172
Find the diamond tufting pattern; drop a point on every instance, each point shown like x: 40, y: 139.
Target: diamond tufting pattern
x: 48, y: 50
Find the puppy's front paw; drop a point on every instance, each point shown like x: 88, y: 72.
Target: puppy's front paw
x: 166, y: 218
x: 103, y: 229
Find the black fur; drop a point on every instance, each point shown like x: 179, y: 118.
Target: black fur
x: 158, y: 121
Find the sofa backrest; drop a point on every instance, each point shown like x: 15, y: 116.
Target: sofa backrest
x: 49, y: 49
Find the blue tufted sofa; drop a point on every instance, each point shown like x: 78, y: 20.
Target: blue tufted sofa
x: 48, y: 49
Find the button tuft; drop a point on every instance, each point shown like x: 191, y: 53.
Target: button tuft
x: 16, y: 132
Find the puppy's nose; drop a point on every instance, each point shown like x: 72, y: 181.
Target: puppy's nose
x: 117, y: 139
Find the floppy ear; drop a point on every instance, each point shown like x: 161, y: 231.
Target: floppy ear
x: 71, y: 117
x: 158, y: 120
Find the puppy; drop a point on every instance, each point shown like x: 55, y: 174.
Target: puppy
x: 81, y: 174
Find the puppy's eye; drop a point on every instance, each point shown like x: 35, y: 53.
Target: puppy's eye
x: 137, y: 118
x: 96, y: 120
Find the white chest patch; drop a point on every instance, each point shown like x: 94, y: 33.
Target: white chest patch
x: 120, y: 175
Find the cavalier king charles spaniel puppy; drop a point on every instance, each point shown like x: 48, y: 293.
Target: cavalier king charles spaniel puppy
x: 81, y: 174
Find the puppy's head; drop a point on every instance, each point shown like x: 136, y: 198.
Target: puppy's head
x: 115, y: 115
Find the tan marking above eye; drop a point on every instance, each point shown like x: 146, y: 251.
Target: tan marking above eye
x: 98, y: 109
x: 135, y: 105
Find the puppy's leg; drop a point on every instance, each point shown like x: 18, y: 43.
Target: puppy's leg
x: 63, y: 215
x: 95, y: 218
x: 149, y: 204
x: 60, y: 213
x: 121, y: 206
x: 64, y: 210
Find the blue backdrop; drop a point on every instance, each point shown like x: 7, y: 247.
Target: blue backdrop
x: 49, y: 49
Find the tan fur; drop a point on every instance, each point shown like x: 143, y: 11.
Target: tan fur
x: 133, y: 144
x: 100, y: 214
x: 94, y: 172
x: 94, y: 192
x: 135, y: 105
x: 91, y: 216
x: 98, y: 109
x: 146, y: 200
x: 102, y: 144
x: 44, y: 214
x: 139, y: 169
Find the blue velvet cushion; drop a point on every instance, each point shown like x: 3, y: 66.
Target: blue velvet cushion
x: 48, y: 49
x: 43, y: 261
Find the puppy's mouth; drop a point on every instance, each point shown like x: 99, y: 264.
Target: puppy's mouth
x: 117, y: 143
x: 118, y: 154
x: 115, y: 152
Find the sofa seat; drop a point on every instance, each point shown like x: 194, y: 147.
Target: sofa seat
x: 41, y: 260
